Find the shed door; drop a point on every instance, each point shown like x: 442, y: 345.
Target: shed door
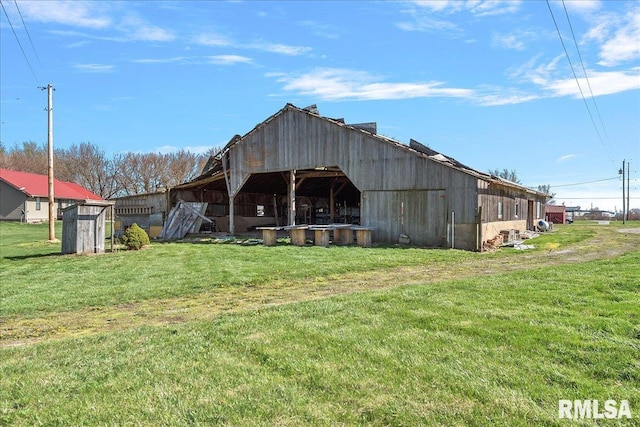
x: 420, y: 214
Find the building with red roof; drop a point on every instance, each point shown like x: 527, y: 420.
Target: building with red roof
x: 25, y: 196
x: 556, y: 214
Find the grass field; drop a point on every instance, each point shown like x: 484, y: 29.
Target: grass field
x: 210, y: 334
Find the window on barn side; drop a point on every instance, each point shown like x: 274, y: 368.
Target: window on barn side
x: 38, y: 204
x: 499, y: 210
x: 517, y: 210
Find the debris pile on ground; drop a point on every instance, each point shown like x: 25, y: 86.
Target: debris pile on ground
x: 522, y: 247
x: 492, y: 244
x: 528, y: 234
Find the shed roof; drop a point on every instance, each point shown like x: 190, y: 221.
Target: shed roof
x: 34, y: 185
x: 555, y: 208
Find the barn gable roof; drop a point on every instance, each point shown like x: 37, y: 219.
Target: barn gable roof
x: 34, y: 185
x: 216, y: 167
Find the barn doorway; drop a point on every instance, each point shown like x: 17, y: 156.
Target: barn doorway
x: 323, y: 195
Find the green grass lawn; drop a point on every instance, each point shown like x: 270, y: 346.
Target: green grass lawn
x: 479, y: 346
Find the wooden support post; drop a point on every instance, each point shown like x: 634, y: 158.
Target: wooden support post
x: 292, y: 198
x: 275, y: 210
x: 479, y: 230
x: 332, y: 205
x: 232, y: 225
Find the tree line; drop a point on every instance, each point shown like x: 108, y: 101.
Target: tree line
x: 123, y: 174
x: 512, y: 175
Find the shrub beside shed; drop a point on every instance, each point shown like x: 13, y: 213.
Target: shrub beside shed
x: 83, y: 227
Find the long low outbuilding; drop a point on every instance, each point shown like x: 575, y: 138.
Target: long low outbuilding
x: 298, y: 167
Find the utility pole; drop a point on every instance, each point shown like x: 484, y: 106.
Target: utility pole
x: 628, y: 190
x: 622, y: 172
x: 52, y: 234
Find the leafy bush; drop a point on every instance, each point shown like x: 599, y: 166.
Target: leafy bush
x: 135, y: 237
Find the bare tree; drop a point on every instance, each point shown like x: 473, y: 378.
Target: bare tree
x: 28, y: 158
x: 123, y: 174
x: 509, y: 175
x: 3, y: 156
x: 87, y: 165
x: 546, y: 189
x: 183, y: 166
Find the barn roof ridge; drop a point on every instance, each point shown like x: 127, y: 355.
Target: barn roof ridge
x: 414, y: 147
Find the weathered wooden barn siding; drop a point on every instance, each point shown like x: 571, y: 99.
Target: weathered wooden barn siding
x: 372, y: 164
x: 146, y: 210
x: 419, y: 214
x: 491, y: 195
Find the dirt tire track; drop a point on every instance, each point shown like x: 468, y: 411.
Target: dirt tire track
x: 207, y: 305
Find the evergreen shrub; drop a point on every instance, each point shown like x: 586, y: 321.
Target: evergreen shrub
x: 135, y: 237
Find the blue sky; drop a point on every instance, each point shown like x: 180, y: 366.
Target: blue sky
x: 485, y: 82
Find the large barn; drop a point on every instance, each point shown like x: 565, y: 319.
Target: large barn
x: 298, y: 167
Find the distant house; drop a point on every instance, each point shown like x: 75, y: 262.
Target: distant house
x: 25, y: 196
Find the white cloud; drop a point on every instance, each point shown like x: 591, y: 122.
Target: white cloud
x: 508, y: 41
x: 492, y: 7
x: 229, y: 59
x: 624, y: 43
x: 212, y: 59
x: 95, y: 15
x: 438, y: 6
x: 583, y: 6
x: 160, y: 60
x: 475, y: 7
x: 94, y: 68
x: 320, y: 29
x: 565, y: 158
x: 341, y: 84
x: 212, y: 39
x: 602, y: 83
x: 281, y: 49
x: 151, y: 33
x: 428, y: 15
x: 218, y: 40
x: 504, y: 96
x: 74, y: 13
x: 427, y: 24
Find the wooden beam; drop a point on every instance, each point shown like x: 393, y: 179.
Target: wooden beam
x: 232, y: 225
x: 332, y: 205
x: 292, y: 198
x: 300, y: 181
x: 340, y: 188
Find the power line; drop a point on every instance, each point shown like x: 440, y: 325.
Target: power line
x: 595, y: 198
x: 577, y: 81
x: 583, y: 69
x: 586, y: 182
x: 19, y: 44
x: 24, y: 24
